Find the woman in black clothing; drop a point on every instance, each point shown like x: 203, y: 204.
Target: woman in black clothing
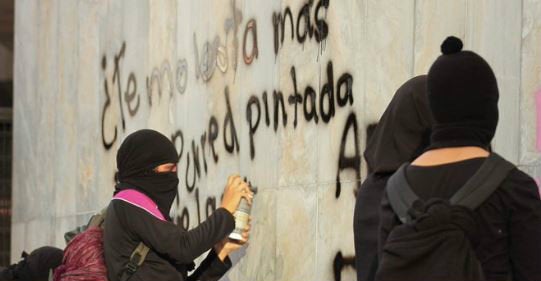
x: 401, y: 135
x: 146, y: 163
x: 463, y: 97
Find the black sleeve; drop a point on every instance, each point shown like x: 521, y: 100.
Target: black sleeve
x: 524, y: 226
x: 211, y: 269
x: 171, y: 241
x: 366, y: 225
x: 388, y: 220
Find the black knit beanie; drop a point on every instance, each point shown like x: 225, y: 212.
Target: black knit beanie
x: 463, y: 97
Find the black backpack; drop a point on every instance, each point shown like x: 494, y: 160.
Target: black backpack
x: 434, y: 241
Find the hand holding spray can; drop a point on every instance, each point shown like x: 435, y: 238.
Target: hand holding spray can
x: 242, y: 217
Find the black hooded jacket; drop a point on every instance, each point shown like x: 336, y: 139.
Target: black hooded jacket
x: 401, y: 135
x: 172, y: 250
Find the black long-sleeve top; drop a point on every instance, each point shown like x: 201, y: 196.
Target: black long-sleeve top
x: 509, y: 220
x: 366, y: 223
x: 172, y: 250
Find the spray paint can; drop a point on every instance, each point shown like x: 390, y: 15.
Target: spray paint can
x: 242, y: 215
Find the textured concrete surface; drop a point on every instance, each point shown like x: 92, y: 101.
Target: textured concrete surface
x: 209, y: 74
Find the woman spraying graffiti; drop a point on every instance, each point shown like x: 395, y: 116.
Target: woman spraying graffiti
x: 147, y: 172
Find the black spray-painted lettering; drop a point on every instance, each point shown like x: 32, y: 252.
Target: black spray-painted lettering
x: 196, y: 164
x: 279, y: 21
x: 106, y: 105
x: 304, y: 13
x: 310, y: 111
x: 346, y: 80
x: 229, y: 125
x: 249, y: 117
x: 278, y: 98
x: 116, y: 77
x: 203, y: 145
x: 213, y: 136
x: 189, y: 186
x: 327, y: 91
x: 294, y: 98
x: 349, y: 162
x: 131, y: 95
x: 155, y: 83
x: 266, y: 103
x: 322, y: 30
x: 303, y: 28
x: 184, y: 219
x: 198, y: 207
x: 310, y: 102
x: 178, y: 135
x: 339, y: 263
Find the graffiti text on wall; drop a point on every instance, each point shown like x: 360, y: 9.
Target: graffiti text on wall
x: 268, y: 110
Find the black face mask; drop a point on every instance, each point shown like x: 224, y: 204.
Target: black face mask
x: 137, y: 157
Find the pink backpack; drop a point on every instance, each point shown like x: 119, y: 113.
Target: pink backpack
x: 83, y: 256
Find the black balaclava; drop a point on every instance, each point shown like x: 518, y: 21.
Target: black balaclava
x: 403, y: 131
x: 463, y: 97
x: 138, y: 155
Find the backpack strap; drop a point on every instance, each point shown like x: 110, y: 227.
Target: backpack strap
x: 483, y: 183
x: 400, y: 194
x: 97, y: 219
x: 136, y: 260
x: 472, y: 194
x: 140, y: 200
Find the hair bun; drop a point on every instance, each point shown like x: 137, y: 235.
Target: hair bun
x: 451, y: 45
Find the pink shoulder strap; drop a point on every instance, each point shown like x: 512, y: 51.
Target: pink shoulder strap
x: 141, y: 201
